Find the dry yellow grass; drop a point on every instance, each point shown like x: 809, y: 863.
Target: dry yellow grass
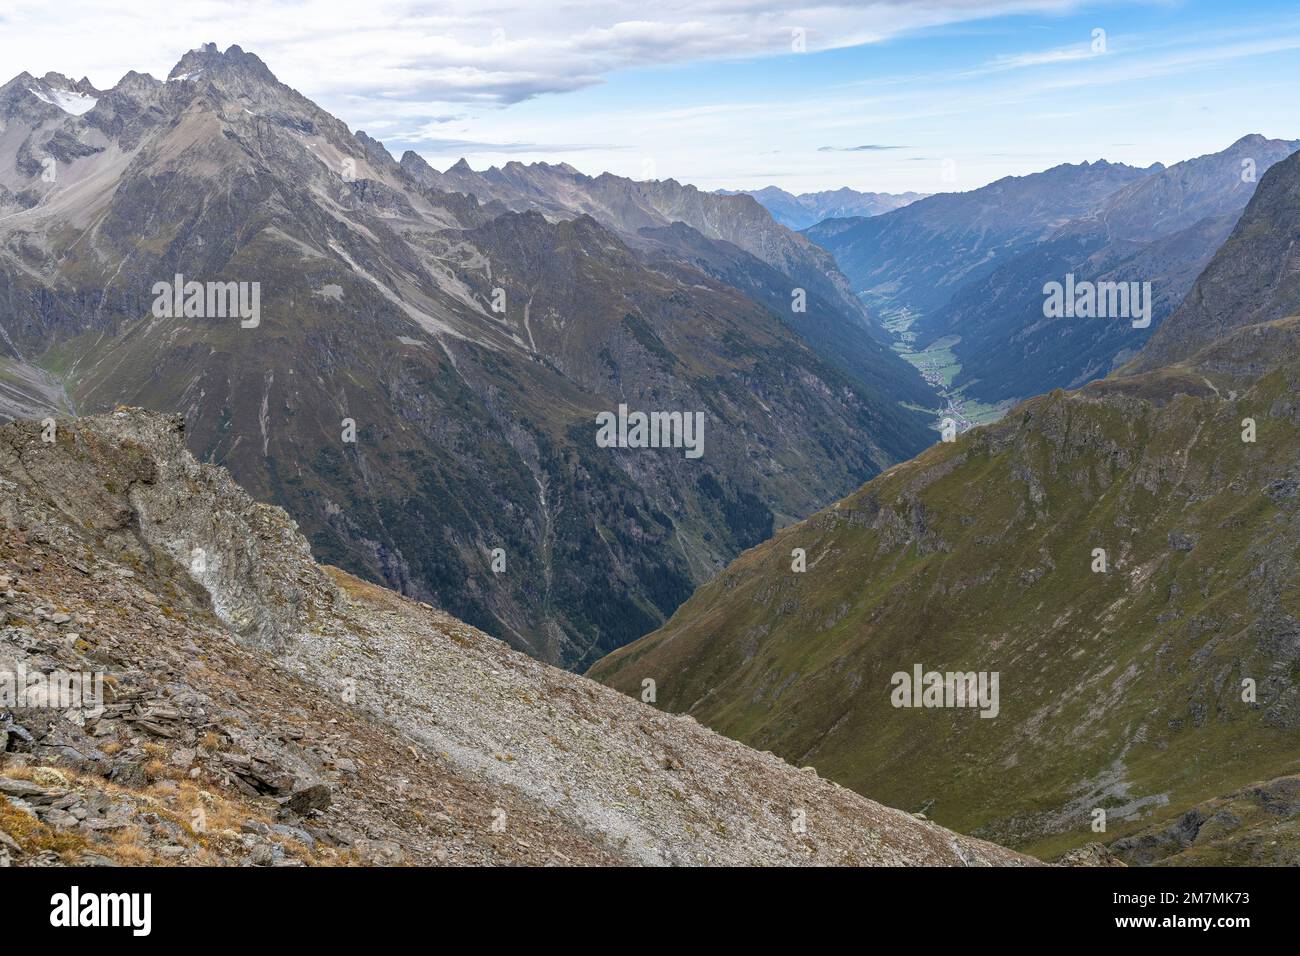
x: 210, y: 822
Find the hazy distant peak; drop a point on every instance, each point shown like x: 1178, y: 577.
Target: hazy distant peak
x: 808, y: 209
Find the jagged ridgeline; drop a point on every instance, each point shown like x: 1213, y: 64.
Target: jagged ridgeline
x: 1125, y: 558
x: 416, y: 373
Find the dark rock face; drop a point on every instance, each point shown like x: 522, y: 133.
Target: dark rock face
x: 1253, y: 278
x: 1258, y: 825
x: 312, y: 799
x: 1164, y: 843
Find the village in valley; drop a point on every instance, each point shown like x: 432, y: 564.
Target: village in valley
x: 938, y: 365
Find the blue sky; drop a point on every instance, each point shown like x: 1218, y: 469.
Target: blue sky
x: 884, y: 95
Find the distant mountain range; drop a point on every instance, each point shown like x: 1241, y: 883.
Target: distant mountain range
x: 729, y: 238
x: 421, y: 386
x: 1253, y: 279
x: 1162, y: 229
x: 917, y: 257
x: 808, y: 209
x: 1123, y: 557
x: 969, y: 269
x: 560, y: 191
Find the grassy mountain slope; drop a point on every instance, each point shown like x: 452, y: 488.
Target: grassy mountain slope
x: 1119, y: 690
x: 1123, y: 690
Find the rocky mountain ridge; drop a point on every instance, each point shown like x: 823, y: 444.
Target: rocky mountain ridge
x: 1252, y: 278
x: 629, y: 206
x: 421, y: 386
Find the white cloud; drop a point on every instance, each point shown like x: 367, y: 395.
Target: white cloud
x: 495, y: 51
x: 497, y: 80
x: 1018, y: 61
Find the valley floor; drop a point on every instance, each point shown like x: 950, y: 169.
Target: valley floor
x: 938, y: 365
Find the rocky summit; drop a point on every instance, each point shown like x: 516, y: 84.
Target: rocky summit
x: 260, y: 709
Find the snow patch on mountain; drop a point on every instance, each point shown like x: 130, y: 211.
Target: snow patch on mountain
x: 67, y: 100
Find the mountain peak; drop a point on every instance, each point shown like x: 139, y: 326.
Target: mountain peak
x: 51, y: 90
x: 461, y: 166
x: 19, y: 80
x: 135, y: 82
x: 58, y: 81
x: 411, y: 159
x: 209, y: 59
x: 373, y: 147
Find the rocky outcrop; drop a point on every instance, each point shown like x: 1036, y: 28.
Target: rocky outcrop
x: 1258, y: 825
x: 131, y: 480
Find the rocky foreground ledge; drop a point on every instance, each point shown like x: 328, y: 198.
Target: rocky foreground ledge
x: 258, y: 709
